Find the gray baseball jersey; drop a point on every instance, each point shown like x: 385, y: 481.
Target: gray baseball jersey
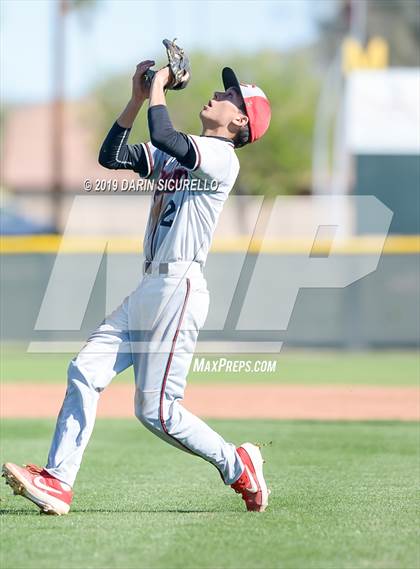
x: 182, y: 222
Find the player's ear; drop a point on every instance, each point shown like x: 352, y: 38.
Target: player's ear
x: 240, y: 120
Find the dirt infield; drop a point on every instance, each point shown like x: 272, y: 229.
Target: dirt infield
x: 234, y: 402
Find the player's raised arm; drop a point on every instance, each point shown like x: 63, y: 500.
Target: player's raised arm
x: 115, y: 153
x: 162, y: 133
x: 140, y: 91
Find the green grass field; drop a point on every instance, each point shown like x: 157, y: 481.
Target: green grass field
x: 299, y: 367
x: 343, y: 496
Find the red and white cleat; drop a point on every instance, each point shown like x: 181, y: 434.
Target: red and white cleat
x: 33, y: 482
x: 251, y: 483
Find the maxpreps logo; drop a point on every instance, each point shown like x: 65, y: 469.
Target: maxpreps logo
x: 230, y: 365
x: 261, y: 280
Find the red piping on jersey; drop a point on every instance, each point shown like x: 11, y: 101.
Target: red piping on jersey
x: 155, y: 227
x: 153, y: 232
x: 197, y: 152
x: 150, y: 160
x: 168, y: 366
x: 165, y: 378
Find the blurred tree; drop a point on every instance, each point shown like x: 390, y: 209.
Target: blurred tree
x: 397, y: 21
x: 278, y: 164
x: 62, y: 8
x: 81, y: 4
x: 3, y: 113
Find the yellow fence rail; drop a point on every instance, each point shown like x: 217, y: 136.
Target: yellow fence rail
x: 52, y: 244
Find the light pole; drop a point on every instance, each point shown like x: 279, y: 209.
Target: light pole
x: 57, y: 112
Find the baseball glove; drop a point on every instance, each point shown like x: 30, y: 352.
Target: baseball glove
x: 179, y: 65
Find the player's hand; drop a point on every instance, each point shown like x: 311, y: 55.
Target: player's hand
x: 141, y: 87
x: 163, y: 77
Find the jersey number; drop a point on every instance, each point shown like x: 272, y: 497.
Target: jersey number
x: 170, y: 209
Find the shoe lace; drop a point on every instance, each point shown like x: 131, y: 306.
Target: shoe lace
x: 33, y: 468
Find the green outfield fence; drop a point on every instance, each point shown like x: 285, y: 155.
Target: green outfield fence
x: 380, y: 310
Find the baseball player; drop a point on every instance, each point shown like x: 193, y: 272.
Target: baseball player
x: 155, y: 328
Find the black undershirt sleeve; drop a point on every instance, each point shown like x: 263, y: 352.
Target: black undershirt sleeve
x: 164, y: 137
x: 116, y: 154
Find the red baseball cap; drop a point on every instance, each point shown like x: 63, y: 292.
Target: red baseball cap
x: 256, y: 104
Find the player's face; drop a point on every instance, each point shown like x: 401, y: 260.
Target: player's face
x: 223, y: 108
